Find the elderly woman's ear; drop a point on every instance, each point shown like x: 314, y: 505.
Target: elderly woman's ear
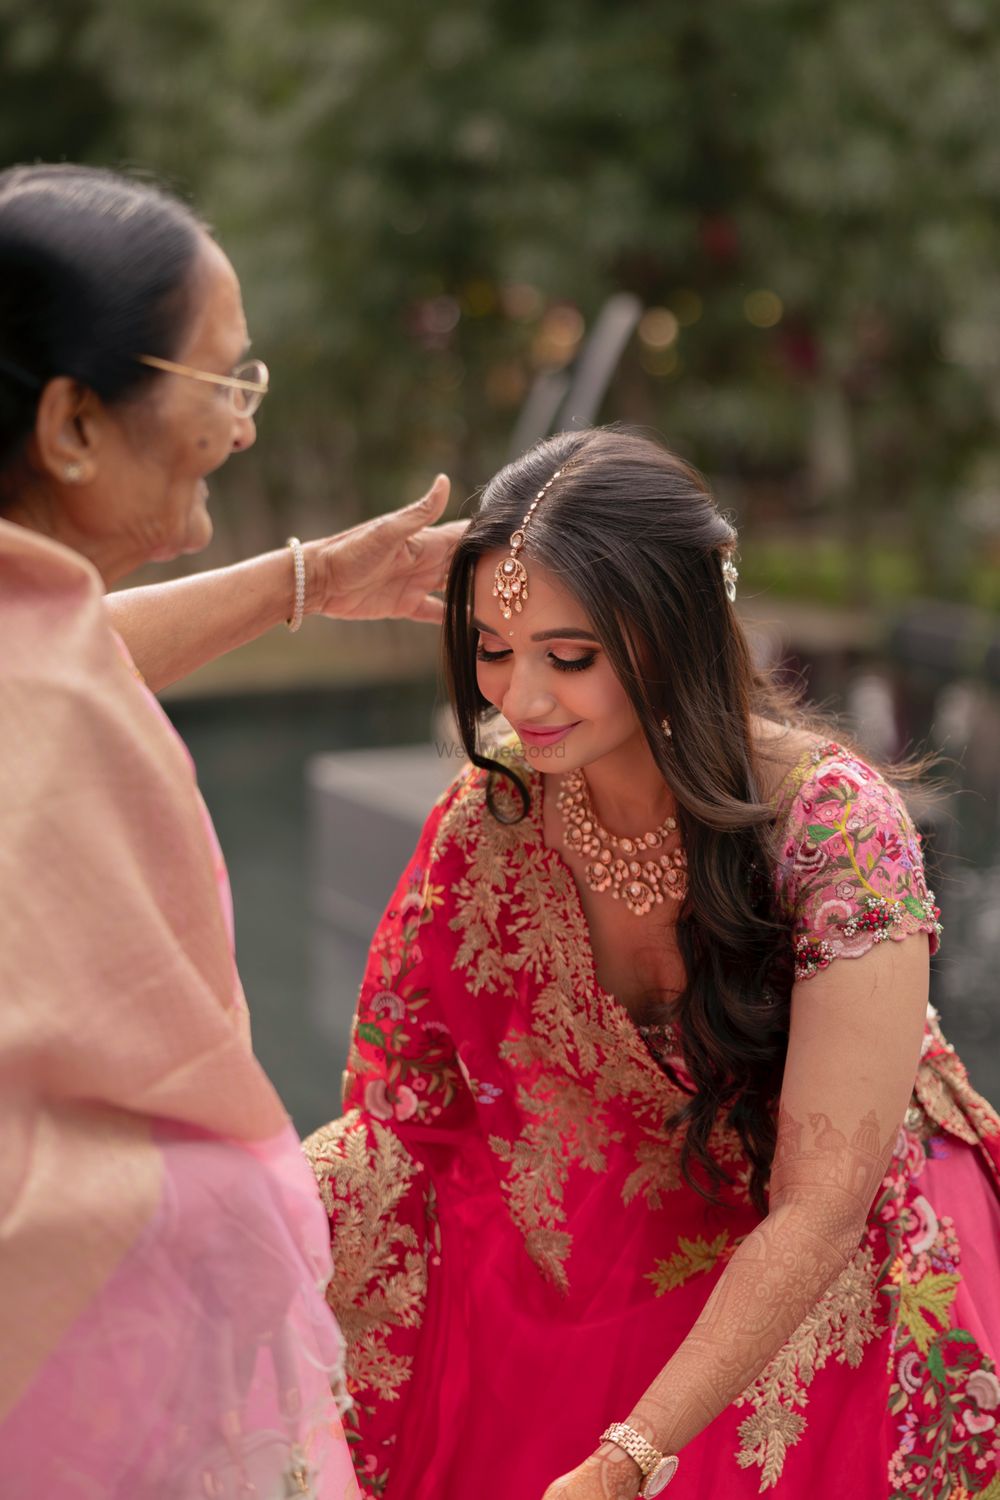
x: 65, y: 443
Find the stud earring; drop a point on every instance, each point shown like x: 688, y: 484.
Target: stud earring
x: 668, y: 733
x: 73, y: 472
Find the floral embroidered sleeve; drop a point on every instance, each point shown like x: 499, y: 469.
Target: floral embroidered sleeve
x: 403, y: 1066
x: 851, y: 873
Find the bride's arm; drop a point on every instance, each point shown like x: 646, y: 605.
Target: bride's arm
x: 853, y: 1051
x: 381, y: 569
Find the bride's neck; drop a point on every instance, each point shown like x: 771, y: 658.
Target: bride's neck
x: 627, y: 791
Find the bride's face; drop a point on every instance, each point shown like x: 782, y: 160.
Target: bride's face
x: 547, y: 673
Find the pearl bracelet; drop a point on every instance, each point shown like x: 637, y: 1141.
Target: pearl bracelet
x: 298, y: 608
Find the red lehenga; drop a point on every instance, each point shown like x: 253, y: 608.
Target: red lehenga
x: 517, y: 1255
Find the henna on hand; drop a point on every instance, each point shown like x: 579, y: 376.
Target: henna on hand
x: 609, y: 1474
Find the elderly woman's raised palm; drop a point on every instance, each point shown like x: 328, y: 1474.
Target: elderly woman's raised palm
x: 387, y: 568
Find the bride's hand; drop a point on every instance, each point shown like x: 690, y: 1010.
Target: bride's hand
x: 608, y: 1474
x: 387, y: 567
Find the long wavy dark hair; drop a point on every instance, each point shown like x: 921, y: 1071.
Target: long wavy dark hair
x: 634, y: 534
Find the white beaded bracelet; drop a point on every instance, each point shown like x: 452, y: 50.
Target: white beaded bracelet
x: 298, y: 609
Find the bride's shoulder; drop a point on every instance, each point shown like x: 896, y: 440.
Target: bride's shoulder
x: 798, y: 766
x: 787, y: 755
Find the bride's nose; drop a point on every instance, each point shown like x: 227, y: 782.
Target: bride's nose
x: 528, y: 697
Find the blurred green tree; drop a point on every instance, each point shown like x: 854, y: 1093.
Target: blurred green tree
x: 427, y: 205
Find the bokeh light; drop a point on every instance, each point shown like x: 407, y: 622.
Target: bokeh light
x: 763, y: 309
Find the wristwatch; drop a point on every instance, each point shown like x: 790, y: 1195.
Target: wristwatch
x: 657, y: 1468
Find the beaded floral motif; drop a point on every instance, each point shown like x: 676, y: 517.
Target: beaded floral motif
x: 851, y: 869
x: 811, y: 955
x: 878, y: 916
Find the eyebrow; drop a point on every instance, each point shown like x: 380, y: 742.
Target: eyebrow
x: 572, y: 634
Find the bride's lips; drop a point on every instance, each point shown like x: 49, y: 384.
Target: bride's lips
x: 544, y: 734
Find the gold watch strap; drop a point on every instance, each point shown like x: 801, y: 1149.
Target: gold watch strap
x: 657, y: 1469
x: 635, y: 1445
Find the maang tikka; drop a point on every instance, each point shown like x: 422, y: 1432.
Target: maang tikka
x: 510, y: 581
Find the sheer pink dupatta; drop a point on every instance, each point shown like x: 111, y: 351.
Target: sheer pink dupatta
x: 162, y: 1250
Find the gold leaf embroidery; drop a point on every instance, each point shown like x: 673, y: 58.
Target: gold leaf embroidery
x: 839, y: 1327
x: 556, y: 1135
x: 582, y: 1055
x: 691, y: 1258
x: 380, y: 1277
x: 766, y: 1438
x: 657, y: 1172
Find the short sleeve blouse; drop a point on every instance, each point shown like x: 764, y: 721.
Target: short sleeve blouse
x: 851, y: 871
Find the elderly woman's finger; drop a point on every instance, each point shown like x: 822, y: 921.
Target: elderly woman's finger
x: 422, y: 512
x: 429, y: 611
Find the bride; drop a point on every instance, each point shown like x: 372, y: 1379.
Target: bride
x: 655, y: 1162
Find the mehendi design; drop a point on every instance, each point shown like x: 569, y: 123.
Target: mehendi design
x: 840, y: 1327
x: 823, y: 1182
x: 607, y: 1475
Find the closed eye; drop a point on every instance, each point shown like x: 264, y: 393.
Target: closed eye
x: 573, y: 664
x: 561, y: 663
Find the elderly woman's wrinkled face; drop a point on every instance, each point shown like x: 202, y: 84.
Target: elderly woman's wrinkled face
x: 156, y: 452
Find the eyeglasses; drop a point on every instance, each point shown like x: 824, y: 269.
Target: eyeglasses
x: 246, y: 386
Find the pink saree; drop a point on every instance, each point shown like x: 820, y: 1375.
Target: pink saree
x: 163, y: 1254
x: 518, y: 1255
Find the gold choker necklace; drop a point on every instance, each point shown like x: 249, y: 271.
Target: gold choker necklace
x: 629, y: 867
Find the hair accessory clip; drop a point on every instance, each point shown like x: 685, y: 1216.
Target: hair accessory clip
x: 730, y: 577
x: 510, y: 581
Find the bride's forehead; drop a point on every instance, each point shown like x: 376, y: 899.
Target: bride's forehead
x: 542, y: 584
x: 547, y: 606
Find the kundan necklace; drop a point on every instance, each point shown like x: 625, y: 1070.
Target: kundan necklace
x: 635, y: 870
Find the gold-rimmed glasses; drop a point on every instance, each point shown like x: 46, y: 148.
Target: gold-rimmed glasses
x: 247, y: 385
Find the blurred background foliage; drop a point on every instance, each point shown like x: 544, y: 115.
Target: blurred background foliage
x: 429, y: 205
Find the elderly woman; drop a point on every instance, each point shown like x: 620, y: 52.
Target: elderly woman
x: 163, y: 1252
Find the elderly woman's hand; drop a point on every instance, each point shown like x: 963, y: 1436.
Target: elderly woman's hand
x: 386, y: 568
x: 608, y: 1474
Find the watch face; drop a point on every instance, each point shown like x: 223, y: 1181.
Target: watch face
x: 661, y: 1476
